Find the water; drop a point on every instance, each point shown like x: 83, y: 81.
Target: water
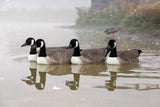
x: 25, y: 84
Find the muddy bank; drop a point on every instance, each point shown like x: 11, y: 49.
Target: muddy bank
x: 151, y: 36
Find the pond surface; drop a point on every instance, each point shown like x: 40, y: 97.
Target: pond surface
x: 25, y: 84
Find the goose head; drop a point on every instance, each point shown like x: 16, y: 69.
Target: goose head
x: 39, y: 44
x: 29, y: 42
x: 73, y: 44
x: 111, y: 48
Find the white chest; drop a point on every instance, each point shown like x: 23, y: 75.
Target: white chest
x: 112, y: 60
x: 76, y: 60
x: 32, y: 57
x: 42, y: 60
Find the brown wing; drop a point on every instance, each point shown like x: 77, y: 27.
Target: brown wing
x: 62, y: 47
x: 48, y: 49
x: 93, y: 55
x: 128, y: 56
x: 60, y: 56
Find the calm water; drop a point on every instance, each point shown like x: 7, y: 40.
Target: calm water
x: 25, y: 84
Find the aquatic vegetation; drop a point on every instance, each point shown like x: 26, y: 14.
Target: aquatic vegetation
x: 137, y: 13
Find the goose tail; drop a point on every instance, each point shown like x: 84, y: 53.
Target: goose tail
x: 139, y: 52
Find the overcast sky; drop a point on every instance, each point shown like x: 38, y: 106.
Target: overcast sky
x: 35, y: 4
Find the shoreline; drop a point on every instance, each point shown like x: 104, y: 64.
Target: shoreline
x: 151, y: 36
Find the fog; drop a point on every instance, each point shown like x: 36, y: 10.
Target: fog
x: 89, y: 85
x: 40, y: 10
x: 38, y: 4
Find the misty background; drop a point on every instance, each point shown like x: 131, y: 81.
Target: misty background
x: 56, y: 11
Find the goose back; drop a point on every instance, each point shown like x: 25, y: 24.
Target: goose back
x: 48, y: 49
x: 59, y: 56
x: 129, y: 56
x: 93, y: 55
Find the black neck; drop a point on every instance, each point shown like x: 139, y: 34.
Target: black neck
x: 42, y: 52
x: 76, y: 51
x: 33, y: 51
x: 113, y: 53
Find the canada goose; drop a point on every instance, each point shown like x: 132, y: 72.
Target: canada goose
x: 86, y: 56
x: 52, y: 56
x: 33, y: 52
x: 120, y: 57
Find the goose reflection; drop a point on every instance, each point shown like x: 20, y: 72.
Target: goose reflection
x: 111, y: 83
x: 41, y: 81
x: 39, y: 72
x: 51, y: 70
x: 59, y: 70
x: 128, y: 71
x: 113, y: 70
x: 30, y: 80
x: 74, y: 85
x: 37, y: 77
x: 77, y: 70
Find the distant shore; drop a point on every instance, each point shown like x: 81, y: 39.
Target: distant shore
x: 148, y: 35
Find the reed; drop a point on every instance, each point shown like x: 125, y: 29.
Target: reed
x: 138, y: 13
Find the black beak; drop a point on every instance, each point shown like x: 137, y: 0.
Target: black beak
x: 69, y: 47
x: 34, y: 46
x: 108, y: 49
x: 25, y: 44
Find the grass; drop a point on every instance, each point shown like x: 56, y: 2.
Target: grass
x: 124, y: 13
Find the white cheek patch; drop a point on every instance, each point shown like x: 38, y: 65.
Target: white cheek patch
x: 76, y: 44
x: 42, y: 44
x: 32, y: 42
x: 115, y: 44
